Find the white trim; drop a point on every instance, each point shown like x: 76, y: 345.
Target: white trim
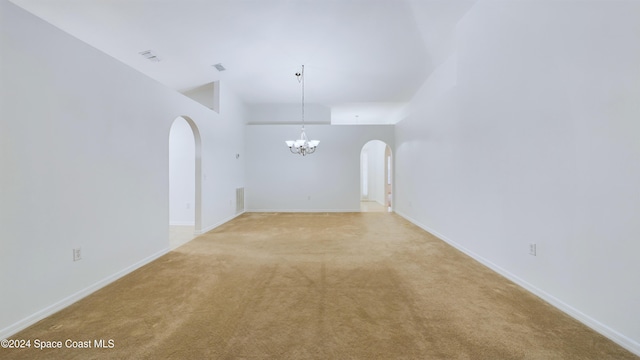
x: 587, y: 320
x: 177, y: 245
x: 50, y: 310
x: 182, y: 223
x: 373, y: 201
x: 211, y: 227
x: 304, y: 210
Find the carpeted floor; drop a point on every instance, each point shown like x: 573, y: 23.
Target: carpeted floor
x: 316, y: 286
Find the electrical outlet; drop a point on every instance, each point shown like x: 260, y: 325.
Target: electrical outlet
x: 532, y: 249
x: 77, y: 255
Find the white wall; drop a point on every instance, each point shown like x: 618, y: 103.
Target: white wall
x: 535, y: 138
x: 84, y: 163
x: 222, y: 171
x: 182, y: 173
x: 207, y: 95
x: 327, y: 180
x: 270, y: 114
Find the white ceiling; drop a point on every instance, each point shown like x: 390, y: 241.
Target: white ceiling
x: 361, y: 57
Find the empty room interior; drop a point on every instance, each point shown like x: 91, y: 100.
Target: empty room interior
x: 312, y: 179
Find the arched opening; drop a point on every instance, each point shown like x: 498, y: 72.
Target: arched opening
x: 184, y: 181
x: 375, y: 177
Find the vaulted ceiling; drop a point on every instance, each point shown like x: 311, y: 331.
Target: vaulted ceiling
x: 361, y: 57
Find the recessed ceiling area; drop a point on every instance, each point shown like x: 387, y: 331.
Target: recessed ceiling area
x: 361, y: 57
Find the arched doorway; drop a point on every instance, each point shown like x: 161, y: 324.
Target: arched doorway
x: 184, y: 181
x: 375, y: 177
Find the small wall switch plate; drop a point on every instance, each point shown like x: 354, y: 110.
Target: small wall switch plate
x: 77, y: 255
x: 532, y: 249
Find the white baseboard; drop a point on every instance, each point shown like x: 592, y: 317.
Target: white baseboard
x: 594, y: 324
x: 211, y: 227
x: 303, y: 210
x: 50, y: 310
x: 182, y: 223
x: 373, y: 201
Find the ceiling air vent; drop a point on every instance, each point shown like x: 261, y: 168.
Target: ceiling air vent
x: 150, y: 55
x: 219, y: 67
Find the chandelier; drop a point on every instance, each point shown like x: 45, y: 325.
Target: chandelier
x: 302, y: 146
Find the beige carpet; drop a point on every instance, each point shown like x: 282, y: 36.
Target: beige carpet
x: 316, y: 286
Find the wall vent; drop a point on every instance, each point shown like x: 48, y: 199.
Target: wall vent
x: 239, y: 200
x: 150, y: 55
